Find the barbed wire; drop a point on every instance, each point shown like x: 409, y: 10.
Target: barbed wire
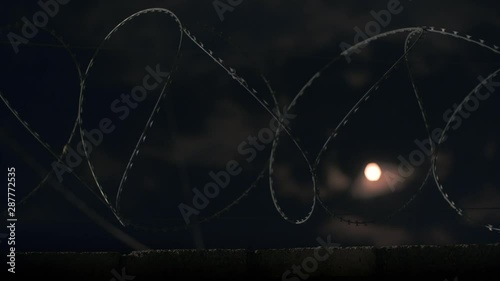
x: 415, y: 35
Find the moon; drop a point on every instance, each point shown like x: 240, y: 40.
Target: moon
x: 373, y: 172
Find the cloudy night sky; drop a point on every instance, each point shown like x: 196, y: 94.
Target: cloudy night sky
x: 208, y: 130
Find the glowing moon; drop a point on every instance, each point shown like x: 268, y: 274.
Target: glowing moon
x: 373, y: 172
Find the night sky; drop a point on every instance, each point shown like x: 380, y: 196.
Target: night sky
x: 207, y: 126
